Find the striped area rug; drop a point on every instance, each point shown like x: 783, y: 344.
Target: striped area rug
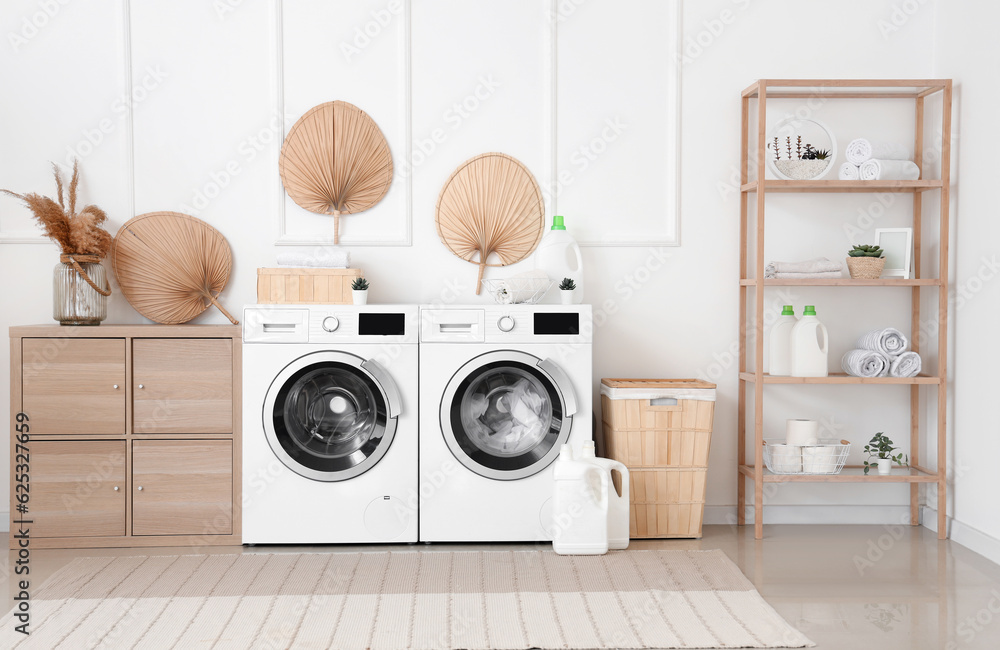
x: 409, y: 599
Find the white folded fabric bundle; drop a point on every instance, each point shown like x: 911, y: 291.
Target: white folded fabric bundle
x: 888, y: 341
x: 849, y: 172
x: 817, y: 265
x: 320, y: 258
x: 865, y: 363
x: 861, y: 149
x: 878, y: 169
x: 807, y: 276
x: 521, y: 287
x: 907, y: 364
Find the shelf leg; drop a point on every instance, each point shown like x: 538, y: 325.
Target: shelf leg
x: 943, y: 270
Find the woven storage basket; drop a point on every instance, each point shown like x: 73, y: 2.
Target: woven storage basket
x: 285, y: 286
x: 662, y: 431
x: 865, y: 268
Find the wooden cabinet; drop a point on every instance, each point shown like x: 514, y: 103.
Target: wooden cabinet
x: 74, y: 386
x: 182, y: 385
x: 182, y: 487
x: 134, y: 434
x: 77, y: 488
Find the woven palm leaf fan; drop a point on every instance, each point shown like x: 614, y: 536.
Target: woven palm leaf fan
x: 491, y: 205
x: 171, y: 266
x: 336, y: 161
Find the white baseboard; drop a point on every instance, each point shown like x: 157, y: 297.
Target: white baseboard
x: 813, y: 514
x: 961, y: 533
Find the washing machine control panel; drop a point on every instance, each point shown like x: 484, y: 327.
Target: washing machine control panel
x: 513, y: 324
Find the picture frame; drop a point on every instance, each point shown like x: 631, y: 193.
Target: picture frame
x: 898, y: 246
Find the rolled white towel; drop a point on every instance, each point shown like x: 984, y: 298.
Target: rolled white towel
x: 808, y: 276
x: 878, y: 169
x: 816, y: 265
x: 861, y: 149
x: 907, y: 364
x: 849, y: 172
x: 865, y: 363
x: 320, y: 257
x: 888, y: 341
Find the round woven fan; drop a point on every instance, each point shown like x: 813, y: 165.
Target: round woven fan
x: 336, y: 161
x: 491, y: 205
x: 171, y: 266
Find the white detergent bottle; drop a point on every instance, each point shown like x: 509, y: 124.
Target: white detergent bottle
x: 579, y: 506
x: 780, y: 353
x: 618, y: 504
x: 809, y: 346
x: 559, y: 256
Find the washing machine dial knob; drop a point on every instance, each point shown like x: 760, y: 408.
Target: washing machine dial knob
x: 330, y: 323
x: 506, y: 323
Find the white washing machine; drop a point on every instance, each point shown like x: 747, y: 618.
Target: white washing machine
x: 502, y: 388
x: 329, y: 424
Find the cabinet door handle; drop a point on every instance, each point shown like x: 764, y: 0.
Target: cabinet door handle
x: 116, y: 386
x: 141, y: 386
x: 140, y: 488
x: 116, y: 488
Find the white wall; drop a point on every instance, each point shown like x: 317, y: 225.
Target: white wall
x: 213, y: 114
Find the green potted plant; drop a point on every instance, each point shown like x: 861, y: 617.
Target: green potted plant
x: 880, y: 448
x: 866, y: 262
x: 359, y: 291
x: 566, y: 289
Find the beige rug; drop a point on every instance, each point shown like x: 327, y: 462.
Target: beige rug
x: 410, y: 599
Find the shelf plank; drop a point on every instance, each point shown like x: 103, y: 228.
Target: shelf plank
x: 846, y: 88
x: 841, y: 378
x: 850, y: 474
x: 856, y: 187
x: 844, y: 282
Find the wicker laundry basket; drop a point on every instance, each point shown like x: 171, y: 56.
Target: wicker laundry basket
x: 289, y: 286
x: 661, y: 429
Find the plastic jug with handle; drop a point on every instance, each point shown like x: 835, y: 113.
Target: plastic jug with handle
x: 618, y: 504
x: 579, y: 506
x: 809, y: 346
x: 780, y: 352
x: 559, y: 256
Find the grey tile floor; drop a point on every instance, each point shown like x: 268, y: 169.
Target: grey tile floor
x: 846, y: 587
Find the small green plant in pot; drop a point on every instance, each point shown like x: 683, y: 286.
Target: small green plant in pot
x: 359, y: 291
x: 866, y: 262
x: 566, y: 290
x: 879, y: 450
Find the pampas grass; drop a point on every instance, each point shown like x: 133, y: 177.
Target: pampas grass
x: 76, y: 233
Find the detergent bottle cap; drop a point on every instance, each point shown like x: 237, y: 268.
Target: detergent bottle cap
x: 557, y: 223
x: 810, y: 310
x: 787, y: 311
x: 587, y: 449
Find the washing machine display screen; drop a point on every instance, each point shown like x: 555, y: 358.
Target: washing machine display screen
x: 506, y: 416
x: 329, y: 417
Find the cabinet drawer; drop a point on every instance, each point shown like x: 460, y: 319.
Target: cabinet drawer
x: 182, y: 385
x: 73, y: 386
x: 182, y: 487
x: 77, y: 488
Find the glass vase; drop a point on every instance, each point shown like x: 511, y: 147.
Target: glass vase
x: 74, y: 301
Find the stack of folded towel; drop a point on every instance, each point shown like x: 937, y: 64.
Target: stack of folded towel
x: 882, y: 353
x: 877, y: 161
x: 320, y: 257
x: 820, y: 267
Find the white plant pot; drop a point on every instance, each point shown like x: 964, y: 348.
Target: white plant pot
x: 884, y: 466
x: 566, y: 296
x: 360, y: 297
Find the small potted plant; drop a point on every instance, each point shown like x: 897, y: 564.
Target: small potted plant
x: 359, y: 291
x: 880, y: 448
x: 866, y: 262
x: 566, y: 290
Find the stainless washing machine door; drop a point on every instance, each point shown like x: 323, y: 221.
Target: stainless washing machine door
x: 505, y: 414
x: 331, y: 416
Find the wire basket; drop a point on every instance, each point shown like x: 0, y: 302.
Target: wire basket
x: 825, y: 457
x: 517, y: 290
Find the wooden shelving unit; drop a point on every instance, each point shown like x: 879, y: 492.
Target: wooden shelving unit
x: 752, y: 284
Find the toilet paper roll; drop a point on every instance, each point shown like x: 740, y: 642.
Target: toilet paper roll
x: 786, y: 459
x: 801, y: 432
x: 819, y: 460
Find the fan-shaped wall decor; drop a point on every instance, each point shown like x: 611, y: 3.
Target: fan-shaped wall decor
x: 171, y: 266
x: 336, y: 161
x: 490, y: 205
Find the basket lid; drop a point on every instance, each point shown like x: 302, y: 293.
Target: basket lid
x: 658, y: 388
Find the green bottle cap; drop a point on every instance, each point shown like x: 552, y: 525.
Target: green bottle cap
x: 557, y: 223
x: 810, y: 310
x: 787, y: 311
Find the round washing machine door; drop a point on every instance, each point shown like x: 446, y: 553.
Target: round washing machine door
x: 505, y: 414
x: 331, y: 416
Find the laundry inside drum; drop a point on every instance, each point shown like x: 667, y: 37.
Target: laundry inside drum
x: 506, y: 411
